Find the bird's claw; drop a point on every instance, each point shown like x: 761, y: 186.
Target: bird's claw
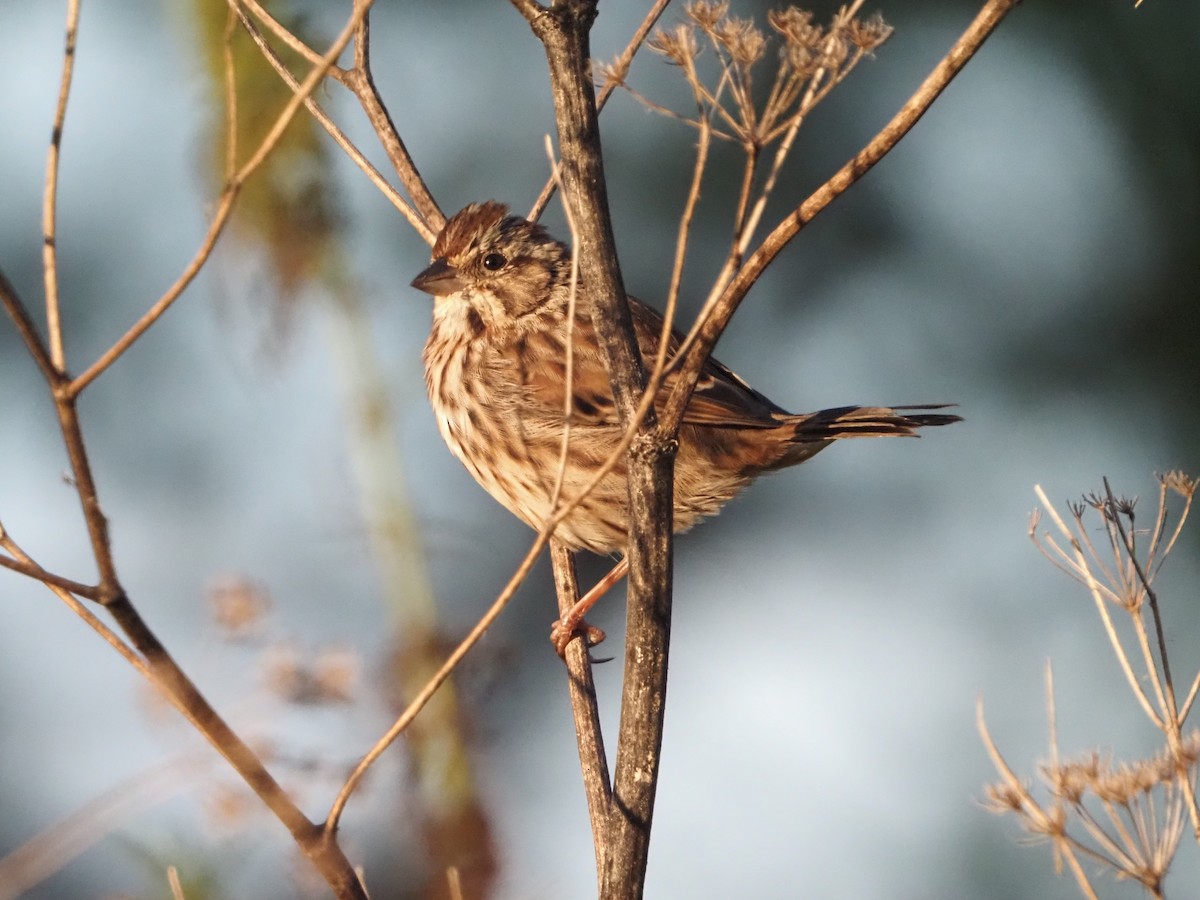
x: 563, y: 632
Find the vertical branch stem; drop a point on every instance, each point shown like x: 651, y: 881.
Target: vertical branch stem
x: 50, y: 197
x: 563, y: 30
x: 584, y: 707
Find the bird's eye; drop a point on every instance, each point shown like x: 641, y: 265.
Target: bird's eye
x: 494, y: 262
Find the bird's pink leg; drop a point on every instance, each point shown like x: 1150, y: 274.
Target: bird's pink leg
x: 571, y: 624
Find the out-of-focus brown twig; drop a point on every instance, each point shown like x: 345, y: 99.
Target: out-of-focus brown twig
x: 147, y: 653
x: 423, y: 214
x: 225, y: 203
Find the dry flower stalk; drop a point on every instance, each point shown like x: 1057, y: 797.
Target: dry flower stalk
x: 811, y: 61
x: 1127, y: 815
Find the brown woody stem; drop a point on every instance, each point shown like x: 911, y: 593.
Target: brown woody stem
x: 592, y: 761
x: 563, y: 30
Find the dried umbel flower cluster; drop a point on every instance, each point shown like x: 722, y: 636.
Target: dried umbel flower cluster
x: 811, y: 61
x: 1127, y: 815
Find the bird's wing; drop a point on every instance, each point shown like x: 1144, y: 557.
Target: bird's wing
x: 721, y: 398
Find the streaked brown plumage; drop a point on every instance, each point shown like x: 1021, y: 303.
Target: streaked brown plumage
x: 495, y: 368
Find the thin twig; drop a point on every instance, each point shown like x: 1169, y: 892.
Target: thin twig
x: 151, y: 657
x: 425, y: 693
x: 361, y: 83
x: 619, y: 68
x: 576, y: 656
x: 225, y: 203
x: 1183, y: 515
x: 50, y: 195
x: 1186, y: 707
x: 281, y: 31
x: 36, y: 572
x: 569, y: 342
x: 27, y: 330
x: 423, y: 214
x: 1170, y: 708
x: 69, y: 592
x: 792, y: 128
x: 1043, y: 822
x: 1110, y: 628
x: 339, y: 136
x: 1166, y: 689
x: 681, y: 247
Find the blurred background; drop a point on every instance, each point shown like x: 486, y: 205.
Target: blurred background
x: 283, y: 510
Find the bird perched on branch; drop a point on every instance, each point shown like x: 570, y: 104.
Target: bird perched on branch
x: 499, y: 375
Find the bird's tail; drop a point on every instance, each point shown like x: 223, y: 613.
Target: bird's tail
x: 811, y: 432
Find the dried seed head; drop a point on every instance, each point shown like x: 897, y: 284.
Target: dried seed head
x: 1003, y: 797
x: 678, y: 46
x: 867, y: 34
x: 796, y: 26
x: 744, y: 43
x: 1071, y: 780
x: 1180, y: 483
x: 1122, y: 785
x: 706, y: 15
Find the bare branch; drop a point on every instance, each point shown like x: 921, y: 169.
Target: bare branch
x: 28, y: 330
x: 284, y: 34
x: 225, y: 203
x: 423, y: 214
x: 37, y: 573
x: 50, y: 196
x: 362, y: 84
x: 328, y: 124
x: 714, y: 320
x: 592, y: 761
x: 68, y: 592
x: 423, y: 696
x: 563, y: 31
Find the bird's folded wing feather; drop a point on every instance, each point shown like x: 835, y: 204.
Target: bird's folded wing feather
x: 721, y: 398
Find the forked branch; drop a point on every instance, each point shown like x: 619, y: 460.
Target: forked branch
x: 718, y: 312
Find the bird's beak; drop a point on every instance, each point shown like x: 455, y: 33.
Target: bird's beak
x: 439, y: 279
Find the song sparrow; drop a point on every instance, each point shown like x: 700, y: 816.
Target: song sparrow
x: 496, y: 365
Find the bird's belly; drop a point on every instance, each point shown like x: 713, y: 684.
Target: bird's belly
x: 519, y: 462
